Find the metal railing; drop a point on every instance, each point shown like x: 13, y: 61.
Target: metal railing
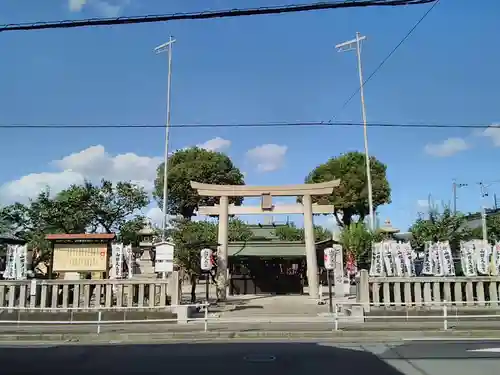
x: 448, y: 312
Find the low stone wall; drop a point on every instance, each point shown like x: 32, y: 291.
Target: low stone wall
x: 427, y: 291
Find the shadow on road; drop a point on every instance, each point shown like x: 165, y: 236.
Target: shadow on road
x: 213, y: 358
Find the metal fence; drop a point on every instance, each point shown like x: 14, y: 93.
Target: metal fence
x: 442, y: 313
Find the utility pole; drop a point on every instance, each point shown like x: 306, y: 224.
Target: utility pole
x: 455, y: 187
x: 350, y: 45
x: 484, y: 194
x: 162, y: 48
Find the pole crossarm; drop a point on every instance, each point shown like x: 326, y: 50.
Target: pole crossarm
x: 210, y: 190
x: 276, y: 210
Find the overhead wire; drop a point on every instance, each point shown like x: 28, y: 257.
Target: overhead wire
x: 389, y: 55
x: 209, y: 14
x: 253, y: 125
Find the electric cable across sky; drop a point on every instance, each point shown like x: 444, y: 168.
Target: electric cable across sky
x: 209, y: 14
x: 298, y: 124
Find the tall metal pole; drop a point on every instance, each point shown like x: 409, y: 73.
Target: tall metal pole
x: 454, y: 189
x: 483, y: 212
x: 365, y: 132
x: 167, y: 133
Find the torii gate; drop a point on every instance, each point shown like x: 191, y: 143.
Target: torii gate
x: 224, y: 209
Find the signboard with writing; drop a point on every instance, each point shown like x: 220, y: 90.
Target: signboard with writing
x: 80, y: 257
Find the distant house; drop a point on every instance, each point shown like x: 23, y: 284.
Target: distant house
x: 474, y: 219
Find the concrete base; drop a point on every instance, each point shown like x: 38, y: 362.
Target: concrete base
x: 184, y: 313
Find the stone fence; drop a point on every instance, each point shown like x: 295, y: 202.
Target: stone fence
x: 87, y: 295
x: 428, y: 291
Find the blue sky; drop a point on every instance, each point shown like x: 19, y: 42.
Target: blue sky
x: 246, y: 70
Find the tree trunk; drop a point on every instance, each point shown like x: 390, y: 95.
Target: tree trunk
x: 194, y: 280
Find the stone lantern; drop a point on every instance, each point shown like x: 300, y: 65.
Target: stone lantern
x: 388, y: 231
x: 144, y: 254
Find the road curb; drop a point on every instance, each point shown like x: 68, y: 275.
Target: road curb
x: 200, y: 336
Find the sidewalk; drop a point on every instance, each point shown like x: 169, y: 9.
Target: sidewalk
x: 341, y: 336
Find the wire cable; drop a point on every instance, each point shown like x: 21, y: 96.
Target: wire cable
x: 252, y: 125
x: 382, y: 63
x: 227, y: 13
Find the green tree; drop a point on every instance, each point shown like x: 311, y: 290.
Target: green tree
x: 78, y: 209
x: 200, y: 165
x: 493, y: 229
x: 291, y: 232
x: 350, y: 199
x: 129, y: 231
x: 190, y: 237
x: 357, y: 240
x: 445, y: 226
x: 112, y: 205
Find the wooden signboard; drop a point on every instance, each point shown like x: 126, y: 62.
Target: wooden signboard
x: 80, y: 258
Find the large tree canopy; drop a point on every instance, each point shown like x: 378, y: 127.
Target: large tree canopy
x: 78, y: 209
x: 444, y: 226
x: 351, y: 197
x: 200, y: 165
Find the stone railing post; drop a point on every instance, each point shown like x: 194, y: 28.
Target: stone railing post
x: 363, y: 290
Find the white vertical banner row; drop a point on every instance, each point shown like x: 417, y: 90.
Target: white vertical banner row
x: 15, y: 268
x: 438, y: 259
x: 391, y: 258
x: 480, y: 258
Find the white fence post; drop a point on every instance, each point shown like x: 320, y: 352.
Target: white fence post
x: 445, y: 316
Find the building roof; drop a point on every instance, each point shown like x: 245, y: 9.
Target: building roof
x: 81, y: 237
x: 11, y: 240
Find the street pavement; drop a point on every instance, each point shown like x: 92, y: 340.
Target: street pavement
x: 265, y: 358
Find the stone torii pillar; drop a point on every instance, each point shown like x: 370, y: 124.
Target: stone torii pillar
x: 224, y: 209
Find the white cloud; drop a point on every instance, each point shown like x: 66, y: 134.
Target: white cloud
x: 93, y: 163
x: 424, y: 203
x: 76, y: 5
x: 493, y: 133
x: 268, y: 157
x: 448, y: 147
x: 106, y: 8
x: 216, y: 144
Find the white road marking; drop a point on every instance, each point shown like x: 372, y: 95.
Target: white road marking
x: 260, y: 358
x: 452, y: 339
x: 485, y: 350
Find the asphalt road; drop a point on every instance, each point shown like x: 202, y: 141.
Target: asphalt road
x: 411, y: 358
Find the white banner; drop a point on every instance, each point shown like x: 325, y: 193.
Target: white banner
x: 16, y: 262
x: 428, y: 265
x: 483, y: 251
x: 468, y: 259
x: 408, y: 259
x: 495, y: 260
x: 116, y: 261
x: 398, y: 257
x: 388, y: 258
x: 447, y: 259
x: 376, y: 266
x: 128, y: 256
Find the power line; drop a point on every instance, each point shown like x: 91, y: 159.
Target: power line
x: 382, y: 63
x: 294, y: 8
x: 251, y: 125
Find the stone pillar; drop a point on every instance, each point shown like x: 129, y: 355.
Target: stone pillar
x: 339, y: 286
x: 312, y: 261
x: 222, y: 257
x: 363, y: 290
